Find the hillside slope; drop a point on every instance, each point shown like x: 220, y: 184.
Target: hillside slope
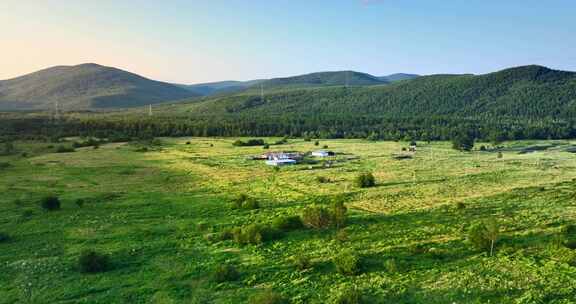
x: 338, y: 78
x: 85, y: 86
x: 529, y: 91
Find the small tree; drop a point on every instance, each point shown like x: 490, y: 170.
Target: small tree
x: 225, y: 273
x: 91, y: 261
x: 347, y: 262
x: 316, y: 217
x: 365, y: 180
x: 483, y: 236
x: 339, y: 213
x: 50, y: 203
x: 463, y: 141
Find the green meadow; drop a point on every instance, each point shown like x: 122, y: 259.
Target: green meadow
x: 158, y: 212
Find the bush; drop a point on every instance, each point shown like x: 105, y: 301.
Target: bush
x: 339, y: 213
x: 250, y: 204
x: 268, y: 297
x: 64, y: 149
x: 287, y: 223
x: 243, y: 201
x: 4, y: 165
x: 4, y: 237
x: 365, y: 180
x: 391, y: 266
x: 316, y: 217
x: 91, y: 261
x: 347, y: 262
x: 569, y: 230
x: 254, y: 234
x: 323, y: 179
x: 50, y: 203
x: 249, y: 143
x: 80, y: 202
x: 460, y: 206
x: 348, y: 295
x: 302, y: 262
x: 483, y: 236
x: 226, y: 273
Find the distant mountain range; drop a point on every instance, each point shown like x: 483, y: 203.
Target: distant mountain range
x: 320, y: 79
x: 85, y: 86
x: 92, y: 86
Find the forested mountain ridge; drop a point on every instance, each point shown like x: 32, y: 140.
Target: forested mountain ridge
x: 85, y: 86
x: 529, y: 92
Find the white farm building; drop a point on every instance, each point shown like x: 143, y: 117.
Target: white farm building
x: 322, y: 153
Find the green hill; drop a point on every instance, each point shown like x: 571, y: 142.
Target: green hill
x: 530, y: 91
x: 338, y: 78
x: 85, y: 86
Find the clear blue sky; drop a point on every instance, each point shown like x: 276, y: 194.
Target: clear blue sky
x: 196, y: 41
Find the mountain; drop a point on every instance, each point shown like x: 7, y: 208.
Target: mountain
x: 320, y: 79
x: 221, y: 87
x: 524, y: 92
x: 85, y: 86
x: 398, y: 77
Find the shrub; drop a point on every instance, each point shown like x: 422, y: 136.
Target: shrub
x: 500, y: 155
x: 477, y: 237
x: 4, y: 237
x: 242, y: 201
x: 365, y: 180
x: 342, y: 235
x: 316, y: 217
x: 26, y: 215
x: 347, y: 262
x: 254, y: 234
x: 80, y: 202
x: 287, y: 223
x: 4, y: 165
x: 316, y: 143
x: 323, y: 179
x: 569, y: 230
x: 348, y: 295
x: 339, y: 213
x: 302, y: 262
x: 391, y: 266
x: 266, y: 146
x: 250, y: 204
x: 268, y: 297
x: 249, y: 143
x: 460, y: 206
x: 91, y: 261
x: 187, y: 142
x: 64, y: 149
x: 226, y: 273
x: 483, y: 236
x: 50, y: 203
x: 325, y: 147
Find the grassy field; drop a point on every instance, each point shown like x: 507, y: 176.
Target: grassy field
x: 153, y: 212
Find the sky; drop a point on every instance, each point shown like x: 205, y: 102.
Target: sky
x: 193, y: 41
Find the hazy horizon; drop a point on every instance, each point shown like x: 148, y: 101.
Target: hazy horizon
x: 195, y: 42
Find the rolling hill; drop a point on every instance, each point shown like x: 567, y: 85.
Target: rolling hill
x: 320, y: 79
x: 528, y: 91
x: 85, y: 86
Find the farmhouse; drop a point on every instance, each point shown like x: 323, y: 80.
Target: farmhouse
x: 322, y: 153
x: 282, y: 158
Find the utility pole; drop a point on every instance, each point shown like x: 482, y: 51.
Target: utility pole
x: 56, y: 115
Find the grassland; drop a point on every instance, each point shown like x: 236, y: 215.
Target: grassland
x: 151, y: 211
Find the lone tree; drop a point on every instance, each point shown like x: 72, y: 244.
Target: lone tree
x: 463, y: 141
x: 483, y: 236
x: 339, y: 213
